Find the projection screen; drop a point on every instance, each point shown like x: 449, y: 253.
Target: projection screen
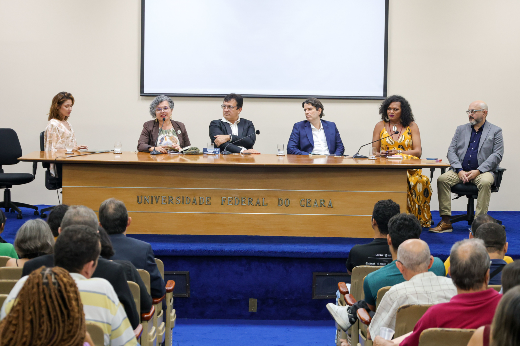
x: 268, y: 48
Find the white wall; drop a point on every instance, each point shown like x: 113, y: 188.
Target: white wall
x: 443, y: 54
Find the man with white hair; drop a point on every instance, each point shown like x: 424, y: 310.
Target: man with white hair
x: 420, y: 287
x: 474, y: 154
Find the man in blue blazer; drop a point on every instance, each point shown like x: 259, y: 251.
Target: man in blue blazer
x: 113, y: 217
x: 475, y: 152
x: 315, y: 135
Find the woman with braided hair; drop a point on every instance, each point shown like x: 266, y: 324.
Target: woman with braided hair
x: 48, y: 311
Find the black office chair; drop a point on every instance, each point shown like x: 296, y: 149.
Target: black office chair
x: 471, y: 192
x: 51, y: 183
x: 9, y: 154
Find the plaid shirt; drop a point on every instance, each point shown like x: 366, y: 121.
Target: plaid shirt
x: 424, y: 288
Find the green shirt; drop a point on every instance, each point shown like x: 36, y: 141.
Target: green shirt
x: 7, y: 249
x: 390, y: 275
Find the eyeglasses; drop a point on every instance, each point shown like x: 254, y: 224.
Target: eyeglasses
x: 162, y: 109
x: 228, y: 107
x: 473, y: 111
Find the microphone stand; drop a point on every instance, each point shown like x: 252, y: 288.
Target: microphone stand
x: 155, y: 152
x: 358, y: 156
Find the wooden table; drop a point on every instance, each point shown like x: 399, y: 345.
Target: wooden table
x: 265, y: 195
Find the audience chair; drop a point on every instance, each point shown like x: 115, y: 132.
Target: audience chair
x: 471, y: 192
x: 170, y: 316
x: 148, y: 336
x: 3, y: 297
x: 357, y: 293
x: 6, y: 286
x: 3, y: 260
x: 497, y: 288
x: 364, y: 318
x: 445, y: 336
x: 11, y: 151
x: 407, y: 317
x: 11, y: 273
x: 158, y: 317
x: 96, y: 333
x: 51, y: 183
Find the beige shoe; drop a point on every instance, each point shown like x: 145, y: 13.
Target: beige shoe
x: 442, y: 227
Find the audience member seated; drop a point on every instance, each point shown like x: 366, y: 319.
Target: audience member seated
x: 108, y: 270
x: 55, y: 217
x: 494, y: 237
x: 33, y: 239
x: 472, y: 307
x: 77, y: 250
x: 401, y: 227
x: 375, y: 253
x: 510, y: 279
x: 113, y: 217
x: 131, y: 273
x: 60, y: 320
x: 6, y: 249
x: 420, y: 287
x: 477, y: 222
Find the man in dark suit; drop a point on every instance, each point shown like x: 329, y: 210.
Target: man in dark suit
x: 113, y: 217
x: 108, y: 270
x: 233, y: 133
x: 475, y: 152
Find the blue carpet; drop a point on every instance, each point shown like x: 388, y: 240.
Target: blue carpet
x: 259, y: 333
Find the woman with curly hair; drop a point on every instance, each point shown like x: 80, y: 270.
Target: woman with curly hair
x: 163, y: 132
x: 400, y: 136
x: 48, y: 311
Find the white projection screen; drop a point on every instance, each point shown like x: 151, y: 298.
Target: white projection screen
x: 264, y: 48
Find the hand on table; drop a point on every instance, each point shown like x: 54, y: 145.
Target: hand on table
x: 250, y: 151
x: 79, y: 147
x: 175, y: 147
x: 221, y: 139
x: 162, y: 150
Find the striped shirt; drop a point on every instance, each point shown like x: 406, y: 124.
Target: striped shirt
x: 100, y: 305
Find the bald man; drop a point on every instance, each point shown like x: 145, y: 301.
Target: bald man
x: 421, y: 286
x: 474, y: 154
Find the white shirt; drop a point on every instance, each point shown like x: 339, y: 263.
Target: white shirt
x: 424, y: 288
x: 320, y: 141
x: 234, y: 129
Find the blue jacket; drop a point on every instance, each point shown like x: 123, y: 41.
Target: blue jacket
x: 302, y: 143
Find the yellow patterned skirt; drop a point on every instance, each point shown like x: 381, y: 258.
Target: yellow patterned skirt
x: 419, y: 196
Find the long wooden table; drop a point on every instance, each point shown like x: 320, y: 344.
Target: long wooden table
x: 265, y: 195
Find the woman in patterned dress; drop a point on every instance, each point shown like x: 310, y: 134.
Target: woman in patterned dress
x: 397, y: 123
x: 59, y: 132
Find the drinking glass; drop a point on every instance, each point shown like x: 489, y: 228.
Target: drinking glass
x: 281, y: 149
x: 117, y: 147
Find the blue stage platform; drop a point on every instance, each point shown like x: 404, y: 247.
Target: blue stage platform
x: 225, y: 271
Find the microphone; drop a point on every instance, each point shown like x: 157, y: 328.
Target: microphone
x: 357, y: 156
x: 156, y: 152
x: 225, y: 152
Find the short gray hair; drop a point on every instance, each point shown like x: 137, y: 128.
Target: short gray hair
x: 469, y: 264
x: 79, y: 215
x: 415, y: 261
x: 34, y: 239
x: 156, y: 101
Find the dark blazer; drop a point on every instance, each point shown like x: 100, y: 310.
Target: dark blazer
x: 150, y: 133
x: 132, y: 274
x: 302, y: 143
x: 246, y: 135
x: 490, y: 147
x: 108, y: 270
x: 141, y: 255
